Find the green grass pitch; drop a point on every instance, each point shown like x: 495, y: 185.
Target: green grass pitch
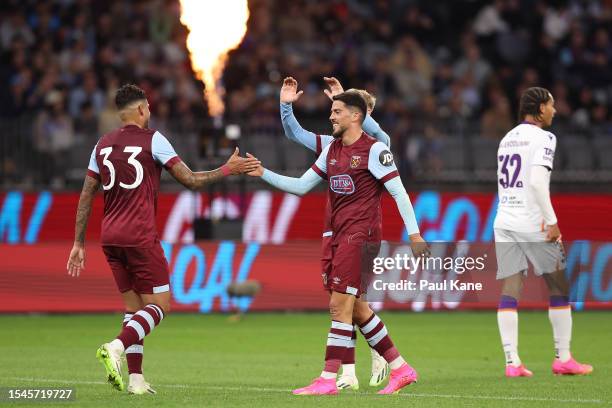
x: 209, y: 361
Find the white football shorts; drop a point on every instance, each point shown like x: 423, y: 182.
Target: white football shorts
x: 513, y: 249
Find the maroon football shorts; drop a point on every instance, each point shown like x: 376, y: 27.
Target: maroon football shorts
x: 352, y: 261
x: 326, y: 259
x: 144, y: 270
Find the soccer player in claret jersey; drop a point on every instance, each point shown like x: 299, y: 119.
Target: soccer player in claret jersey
x: 526, y: 229
x: 357, y: 167
x: 127, y: 163
x: 294, y: 131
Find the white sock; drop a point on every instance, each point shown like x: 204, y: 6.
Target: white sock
x: 561, y: 322
x: 374, y: 354
x: 348, y: 369
x: 136, y: 378
x: 327, y: 375
x: 507, y: 320
x: 117, y: 346
x: 397, y: 363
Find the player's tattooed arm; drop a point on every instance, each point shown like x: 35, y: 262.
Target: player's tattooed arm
x: 76, y: 259
x: 194, y: 180
x: 90, y: 187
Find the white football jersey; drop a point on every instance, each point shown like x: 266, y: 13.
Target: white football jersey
x: 522, y: 148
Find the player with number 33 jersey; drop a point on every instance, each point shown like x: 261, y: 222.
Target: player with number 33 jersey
x: 127, y: 163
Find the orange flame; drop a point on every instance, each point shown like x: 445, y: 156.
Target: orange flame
x: 215, y: 28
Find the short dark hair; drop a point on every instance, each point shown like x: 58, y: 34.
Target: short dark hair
x: 127, y: 94
x: 531, y: 99
x: 353, y: 99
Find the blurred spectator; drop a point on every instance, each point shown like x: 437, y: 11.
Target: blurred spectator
x: 497, y: 117
x: 88, y: 92
x: 557, y: 21
x: 54, y: 131
x: 15, y: 26
x: 53, y: 138
x: 489, y: 20
x: 86, y: 124
x: 472, y: 63
x: 432, y: 65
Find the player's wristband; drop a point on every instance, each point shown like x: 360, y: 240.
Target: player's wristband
x: 225, y: 170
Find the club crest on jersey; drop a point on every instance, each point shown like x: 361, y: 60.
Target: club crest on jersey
x: 355, y: 160
x: 332, y: 162
x: 386, y: 158
x: 342, y: 184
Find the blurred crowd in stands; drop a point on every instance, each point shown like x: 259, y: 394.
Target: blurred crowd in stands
x: 439, y: 69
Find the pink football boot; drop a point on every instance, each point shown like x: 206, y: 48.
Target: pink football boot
x: 520, y: 371
x: 319, y: 386
x: 399, y: 378
x: 571, y: 367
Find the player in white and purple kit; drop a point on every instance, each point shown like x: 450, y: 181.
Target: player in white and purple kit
x: 526, y: 229
x: 357, y: 168
x: 294, y: 131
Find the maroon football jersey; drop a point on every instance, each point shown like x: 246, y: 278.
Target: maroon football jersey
x: 128, y: 162
x: 355, y: 176
x: 320, y: 140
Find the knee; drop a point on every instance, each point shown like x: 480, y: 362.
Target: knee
x: 512, y: 287
x: 516, y: 294
x: 335, y: 309
x: 338, y: 310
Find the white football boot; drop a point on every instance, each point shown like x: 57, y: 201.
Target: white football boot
x: 347, y: 382
x: 380, y: 369
x: 139, y: 386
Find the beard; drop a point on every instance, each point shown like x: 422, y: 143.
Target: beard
x: 338, y: 132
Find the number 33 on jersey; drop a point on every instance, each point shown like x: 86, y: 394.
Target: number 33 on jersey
x: 128, y: 164
x: 522, y: 148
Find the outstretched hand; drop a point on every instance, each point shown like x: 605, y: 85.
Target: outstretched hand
x: 241, y: 165
x: 335, y: 87
x: 258, y: 172
x: 289, y: 92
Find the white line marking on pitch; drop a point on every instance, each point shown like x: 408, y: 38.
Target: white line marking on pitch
x: 283, y: 390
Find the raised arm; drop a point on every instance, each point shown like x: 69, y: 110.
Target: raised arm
x: 293, y: 130
x: 372, y: 128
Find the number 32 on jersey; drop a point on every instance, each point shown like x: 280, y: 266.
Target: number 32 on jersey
x: 510, y: 163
